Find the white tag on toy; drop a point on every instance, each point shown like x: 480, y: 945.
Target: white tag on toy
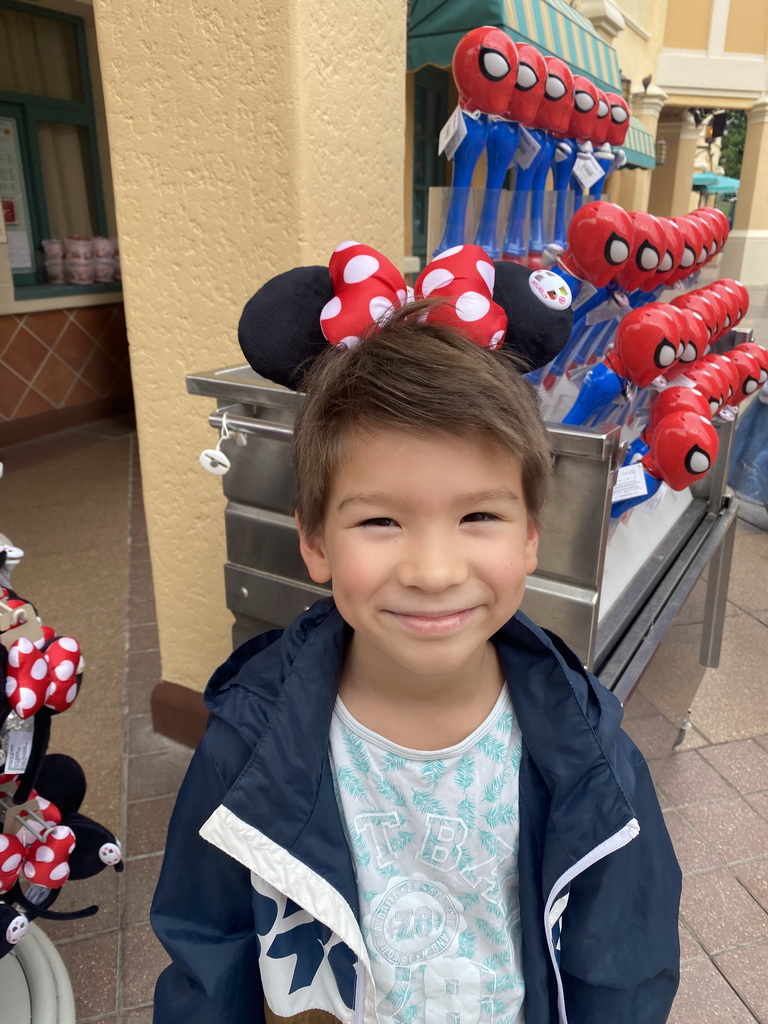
x: 650, y: 506
x: 587, y: 171
x: 19, y: 749
x: 16, y: 623
x: 35, y: 894
x: 452, y: 134
x: 586, y: 291
x: 215, y: 461
x: 550, y: 288
x: 527, y: 148
x: 630, y: 483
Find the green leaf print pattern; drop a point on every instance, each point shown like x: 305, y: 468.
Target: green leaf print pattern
x: 358, y: 755
x: 432, y: 772
x: 465, y: 772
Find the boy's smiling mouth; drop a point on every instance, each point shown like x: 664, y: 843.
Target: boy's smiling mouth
x: 433, y: 622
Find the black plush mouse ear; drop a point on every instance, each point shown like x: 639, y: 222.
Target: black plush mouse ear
x: 538, y: 308
x: 279, y: 330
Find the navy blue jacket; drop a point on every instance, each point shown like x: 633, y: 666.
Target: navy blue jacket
x: 257, y: 901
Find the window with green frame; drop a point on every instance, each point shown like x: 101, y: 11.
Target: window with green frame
x: 50, y: 180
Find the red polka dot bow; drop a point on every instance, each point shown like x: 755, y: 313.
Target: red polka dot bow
x: 49, y: 678
x: 368, y: 288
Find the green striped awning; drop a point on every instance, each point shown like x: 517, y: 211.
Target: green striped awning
x: 639, y: 145
x: 436, y: 26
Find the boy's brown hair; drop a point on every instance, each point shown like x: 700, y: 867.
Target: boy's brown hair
x: 421, y: 378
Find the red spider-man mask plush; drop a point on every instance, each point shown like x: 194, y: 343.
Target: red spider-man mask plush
x: 699, y: 303
x: 720, y: 224
x: 684, y: 447
x: 648, y: 250
x: 554, y: 113
x: 692, y: 243
x: 485, y: 69
x: 619, y: 126
x: 603, y: 123
x: 648, y: 343
x: 585, y: 109
x: 528, y: 94
x: 600, y: 238
x: 674, y: 244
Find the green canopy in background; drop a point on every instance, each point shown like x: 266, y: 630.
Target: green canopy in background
x: 709, y: 183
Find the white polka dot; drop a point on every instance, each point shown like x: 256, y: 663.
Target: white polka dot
x: 42, y: 803
x: 4, y: 842
x: 59, y: 872
x: 447, y: 252
x: 71, y: 694
x: 11, y: 863
x: 44, y: 854
x: 402, y: 296
x: 380, y: 308
x: 472, y: 306
x: 10, y: 685
x: 360, y: 268
x: 497, y: 339
x: 51, y: 690
x: 488, y: 273
x: 80, y: 666
x: 345, y: 245
x: 25, y: 646
x: 331, y: 309
x: 65, y: 670
x: 13, y: 657
x: 438, y: 278
x: 62, y: 832
x: 39, y: 669
x: 69, y: 644
x: 26, y: 699
x: 29, y: 869
x: 349, y: 342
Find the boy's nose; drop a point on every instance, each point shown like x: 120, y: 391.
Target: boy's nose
x: 432, y: 564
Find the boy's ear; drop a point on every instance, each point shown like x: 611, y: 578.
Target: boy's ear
x: 313, y: 553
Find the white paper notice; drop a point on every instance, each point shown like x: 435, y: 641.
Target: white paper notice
x: 527, y: 148
x: 452, y: 134
x: 630, y: 483
x: 18, y: 250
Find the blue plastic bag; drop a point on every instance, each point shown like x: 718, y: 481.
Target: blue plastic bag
x: 748, y: 473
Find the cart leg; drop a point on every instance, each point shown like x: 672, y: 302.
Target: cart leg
x: 717, y: 596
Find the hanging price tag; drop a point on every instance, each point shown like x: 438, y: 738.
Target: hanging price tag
x: 19, y: 749
x: 587, y: 171
x: 452, y: 134
x: 630, y: 483
x: 527, y: 148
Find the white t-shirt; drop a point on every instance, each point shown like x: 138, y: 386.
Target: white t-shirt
x: 434, y: 838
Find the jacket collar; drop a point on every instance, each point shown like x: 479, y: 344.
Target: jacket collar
x: 286, y: 689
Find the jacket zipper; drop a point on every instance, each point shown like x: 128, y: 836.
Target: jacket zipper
x: 615, y: 842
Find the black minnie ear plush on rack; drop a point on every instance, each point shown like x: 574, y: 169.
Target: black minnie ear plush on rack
x: 290, y: 321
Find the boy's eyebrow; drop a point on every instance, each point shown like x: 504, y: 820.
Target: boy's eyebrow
x: 471, y: 498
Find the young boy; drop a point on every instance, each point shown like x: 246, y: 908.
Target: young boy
x: 414, y: 805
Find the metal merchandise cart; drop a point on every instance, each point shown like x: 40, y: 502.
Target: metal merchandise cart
x: 612, y: 591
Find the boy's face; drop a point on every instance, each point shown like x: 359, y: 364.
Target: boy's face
x: 428, y: 543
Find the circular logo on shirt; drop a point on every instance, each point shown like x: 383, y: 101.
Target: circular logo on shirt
x: 415, y: 921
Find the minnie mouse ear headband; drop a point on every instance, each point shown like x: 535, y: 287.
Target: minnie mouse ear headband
x: 291, y: 320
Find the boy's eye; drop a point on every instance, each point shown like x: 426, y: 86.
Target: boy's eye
x: 480, y: 517
x: 378, y: 521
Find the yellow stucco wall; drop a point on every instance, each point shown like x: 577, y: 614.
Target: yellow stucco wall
x: 246, y: 138
x: 747, y: 30
x: 687, y: 24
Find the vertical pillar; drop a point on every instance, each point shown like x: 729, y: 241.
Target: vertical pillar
x: 245, y: 139
x: 630, y: 189
x: 746, y: 255
x: 672, y: 184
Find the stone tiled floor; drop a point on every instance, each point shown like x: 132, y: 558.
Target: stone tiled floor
x: 73, y: 502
